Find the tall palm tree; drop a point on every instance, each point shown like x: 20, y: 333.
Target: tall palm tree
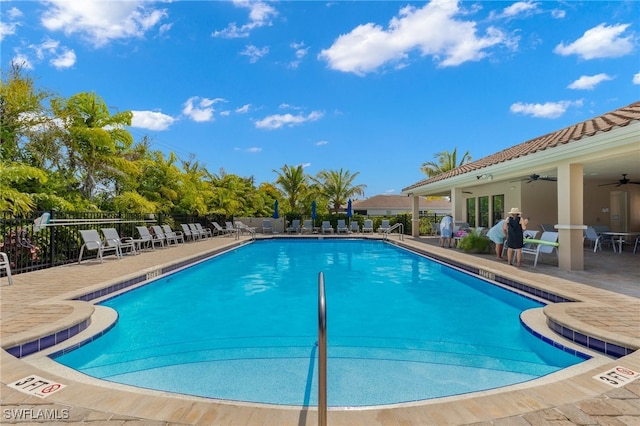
x: 337, y: 186
x: 446, y: 161
x: 293, y: 183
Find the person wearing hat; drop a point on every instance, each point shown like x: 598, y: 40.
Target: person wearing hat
x: 514, y: 227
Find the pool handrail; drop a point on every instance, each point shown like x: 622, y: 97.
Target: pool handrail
x: 399, y: 225
x: 322, y: 352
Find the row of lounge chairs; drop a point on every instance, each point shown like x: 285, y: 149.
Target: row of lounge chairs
x: 327, y: 228
x: 162, y: 235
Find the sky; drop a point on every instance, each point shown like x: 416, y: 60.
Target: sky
x: 372, y: 87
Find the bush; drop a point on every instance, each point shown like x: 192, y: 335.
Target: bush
x: 476, y: 243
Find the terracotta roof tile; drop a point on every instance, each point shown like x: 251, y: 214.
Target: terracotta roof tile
x: 572, y: 134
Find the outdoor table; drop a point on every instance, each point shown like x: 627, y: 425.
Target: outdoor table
x: 620, y: 236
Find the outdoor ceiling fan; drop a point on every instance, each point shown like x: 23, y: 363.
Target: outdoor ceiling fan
x: 622, y: 181
x: 535, y: 177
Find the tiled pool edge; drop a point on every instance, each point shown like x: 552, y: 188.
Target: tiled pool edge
x: 60, y: 336
x: 590, y: 342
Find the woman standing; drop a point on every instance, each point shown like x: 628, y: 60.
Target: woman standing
x: 497, y: 235
x: 514, y: 227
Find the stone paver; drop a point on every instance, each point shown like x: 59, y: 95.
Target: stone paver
x: 39, y: 302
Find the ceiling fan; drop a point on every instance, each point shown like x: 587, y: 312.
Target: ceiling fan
x: 622, y: 181
x: 535, y: 177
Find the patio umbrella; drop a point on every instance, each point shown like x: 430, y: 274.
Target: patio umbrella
x: 275, y: 210
x: 349, y: 210
x: 313, y: 212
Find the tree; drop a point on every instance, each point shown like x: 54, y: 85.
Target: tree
x: 338, y: 187
x: 446, y: 161
x: 11, y: 198
x: 293, y: 183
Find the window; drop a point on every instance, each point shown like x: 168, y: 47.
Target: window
x: 484, y: 211
x: 471, y: 212
x: 498, y: 208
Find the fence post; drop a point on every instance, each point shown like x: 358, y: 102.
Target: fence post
x: 52, y: 239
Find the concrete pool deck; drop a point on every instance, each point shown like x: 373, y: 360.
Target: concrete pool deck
x: 38, y: 304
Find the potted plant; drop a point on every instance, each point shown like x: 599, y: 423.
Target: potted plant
x: 476, y: 243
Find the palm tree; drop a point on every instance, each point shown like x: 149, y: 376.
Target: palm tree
x: 337, y: 186
x: 446, y: 161
x: 293, y: 183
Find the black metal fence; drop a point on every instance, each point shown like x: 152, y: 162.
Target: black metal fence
x: 30, y: 247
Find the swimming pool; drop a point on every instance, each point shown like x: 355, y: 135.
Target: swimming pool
x: 243, y: 326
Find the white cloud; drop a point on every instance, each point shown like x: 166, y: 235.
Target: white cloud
x: 253, y: 149
x: 389, y: 191
x: 546, y: 110
x: 432, y: 30
x: 305, y: 165
x: 599, y: 42
x: 589, y: 82
x: 200, y: 109
x: 101, y: 22
x: 65, y: 59
x: 260, y: 15
x: 254, y: 53
x: 321, y: 143
x: 636, y: 78
x: 558, y: 13
x: 9, y: 26
x: 277, y: 121
x: 23, y: 61
x: 151, y: 120
x: 243, y: 109
x: 300, y: 51
x: 520, y: 8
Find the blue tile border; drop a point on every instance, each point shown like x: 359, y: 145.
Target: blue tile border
x: 45, y: 342
x: 593, y: 343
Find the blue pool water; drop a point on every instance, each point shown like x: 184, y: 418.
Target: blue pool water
x: 243, y: 326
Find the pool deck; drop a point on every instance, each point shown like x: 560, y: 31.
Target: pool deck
x: 607, y: 307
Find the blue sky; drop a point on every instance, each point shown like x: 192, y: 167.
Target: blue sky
x: 372, y: 87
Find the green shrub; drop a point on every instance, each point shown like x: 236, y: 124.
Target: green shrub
x: 476, y: 243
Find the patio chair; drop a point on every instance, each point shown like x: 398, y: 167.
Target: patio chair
x: 91, y: 241
x: 342, y: 227
x: 548, y: 243
x: 266, y: 227
x: 206, y: 231
x: 245, y: 228
x: 326, y: 227
x: 147, y: 238
x: 307, y: 226
x: 186, y: 231
x: 355, y: 227
x: 384, y: 226
x: 295, y: 226
x: 367, y: 226
x: 221, y: 230
x: 6, y: 265
x: 176, y: 236
x: 195, y: 231
x: 592, y: 237
x: 159, y: 234
x: 113, y: 239
x: 635, y: 246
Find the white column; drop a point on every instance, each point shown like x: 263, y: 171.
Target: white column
x: 415, y: 217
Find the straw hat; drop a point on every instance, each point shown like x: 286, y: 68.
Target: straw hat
x: 515, y: 211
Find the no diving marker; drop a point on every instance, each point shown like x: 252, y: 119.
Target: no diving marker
x: 35, y: 385
x: 618, y: 376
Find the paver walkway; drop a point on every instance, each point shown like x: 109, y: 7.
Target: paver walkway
x: 39, y: 303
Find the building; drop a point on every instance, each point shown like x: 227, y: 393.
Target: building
x: 392, y: 205
x: 585, y: 174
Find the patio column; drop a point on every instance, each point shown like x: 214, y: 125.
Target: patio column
x: 570, y: 217
x: 415, y: 217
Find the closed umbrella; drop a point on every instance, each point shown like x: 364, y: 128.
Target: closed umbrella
x: 349, y: 211
x: 313, y: 212
x: 275, y: 210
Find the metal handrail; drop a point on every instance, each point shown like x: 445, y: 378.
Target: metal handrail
x: 396, y: 226
x: 322, y: 353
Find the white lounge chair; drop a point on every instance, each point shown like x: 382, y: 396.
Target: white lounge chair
x: 307, y: 226
x: 548, y: 244
x: 91, y: 241
x: 195, y: 231
x: 221, y: 230
x: 203, y: 231
x: 158, y: 233
x: 186, y: 231
x: 342, y: 226
x: 245, y: 228
x: 295, y: 226
x: 147, y: 238
x: 266, y: 227
x: 6, y: 265
x: 172, y: 235
x: 384, y: 226
x: 230, y: 228
x: 355, y: 228
x: 367, y: 226
x: 326, y: 227
x: 113, y: 239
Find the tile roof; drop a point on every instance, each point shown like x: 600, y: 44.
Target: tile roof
x: 572, y: 134
x: 398, y: 202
